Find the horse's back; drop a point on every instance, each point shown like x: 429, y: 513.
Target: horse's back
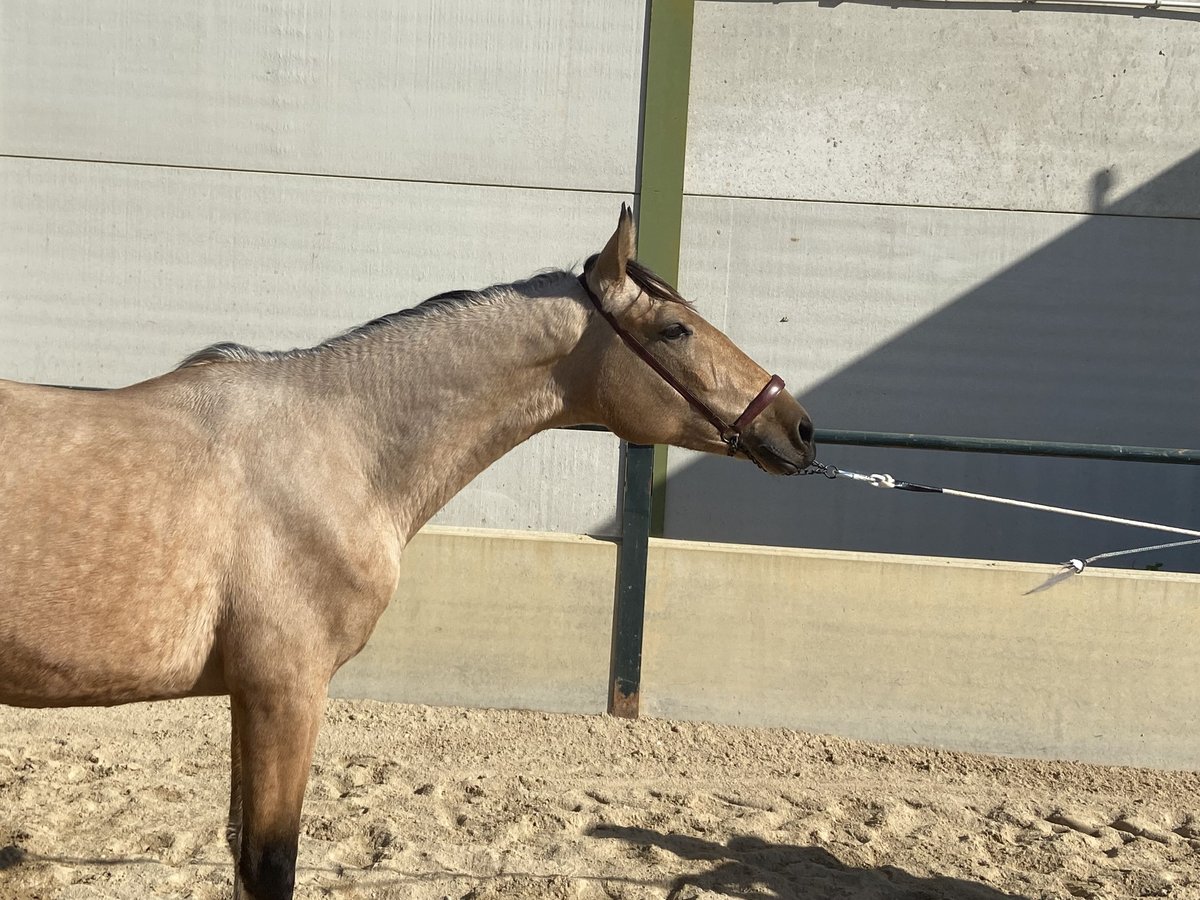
x: 111, y: 538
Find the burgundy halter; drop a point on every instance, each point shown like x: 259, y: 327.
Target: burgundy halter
x: 730, y: 434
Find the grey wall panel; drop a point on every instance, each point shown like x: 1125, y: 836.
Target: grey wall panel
x: 953, y: 106
x: 1024, y: 325
x: 564, y: 481
x: 113, y: 273
x: 1066, y: 327
x: 520, y: 92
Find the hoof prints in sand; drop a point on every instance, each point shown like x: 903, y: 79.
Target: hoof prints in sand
x: 432, y: 803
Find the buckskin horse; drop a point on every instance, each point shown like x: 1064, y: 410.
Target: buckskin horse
x: 235, y: 526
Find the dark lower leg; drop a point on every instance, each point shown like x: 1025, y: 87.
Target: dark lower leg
x: 268, y: 870
x: 233, y: 827
x: 276, y: 731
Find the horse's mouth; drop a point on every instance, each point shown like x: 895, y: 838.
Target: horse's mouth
x: 773, y: 462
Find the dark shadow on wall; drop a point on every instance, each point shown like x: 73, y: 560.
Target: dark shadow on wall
x: 1094, y: 337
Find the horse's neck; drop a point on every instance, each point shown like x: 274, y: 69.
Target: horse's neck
x: 444, y: 397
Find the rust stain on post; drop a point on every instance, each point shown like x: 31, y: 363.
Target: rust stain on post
x: 623, y: 705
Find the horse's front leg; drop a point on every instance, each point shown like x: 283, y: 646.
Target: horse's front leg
x: 275, y: 730
x: 233, y: 827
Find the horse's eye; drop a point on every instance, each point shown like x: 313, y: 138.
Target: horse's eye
x: 675, y: 332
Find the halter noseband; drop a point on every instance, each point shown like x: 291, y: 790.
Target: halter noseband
x: 730, y: 434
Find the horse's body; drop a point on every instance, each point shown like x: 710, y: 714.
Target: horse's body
x: 235, y: 526
x: 144, y: 529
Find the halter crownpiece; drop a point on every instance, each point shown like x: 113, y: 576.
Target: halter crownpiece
x: 730, y: 434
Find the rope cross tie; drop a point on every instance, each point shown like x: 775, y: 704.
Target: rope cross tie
x: 1071, y: 566
x: 874, y: 480
x: 880, y: 481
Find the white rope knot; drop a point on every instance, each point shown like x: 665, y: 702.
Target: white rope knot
x: 882, y: 481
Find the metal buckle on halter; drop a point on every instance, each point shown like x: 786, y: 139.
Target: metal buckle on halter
x: 820, y: 468
x: 733, y: 440
x: 732, y: 435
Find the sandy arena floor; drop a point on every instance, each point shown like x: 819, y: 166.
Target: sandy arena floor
x: 449, y: 803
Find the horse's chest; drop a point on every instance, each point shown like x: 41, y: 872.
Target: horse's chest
x: 329, y: 589
x: 350, y: 626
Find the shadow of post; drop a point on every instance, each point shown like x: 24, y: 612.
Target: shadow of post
x: 750, y: 868
x: 11, y: 856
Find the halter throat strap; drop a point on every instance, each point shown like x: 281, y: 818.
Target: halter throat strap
x: 730, y: 434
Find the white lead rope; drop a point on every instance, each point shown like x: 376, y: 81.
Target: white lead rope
x: 887, y: 481
x: 1069, y: 568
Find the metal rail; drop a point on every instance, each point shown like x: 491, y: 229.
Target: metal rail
x: 904, y: 440
x: 1133, y: 7
x: 908, y: 441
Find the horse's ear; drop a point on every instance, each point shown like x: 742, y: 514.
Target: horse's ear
x: 608, y: 272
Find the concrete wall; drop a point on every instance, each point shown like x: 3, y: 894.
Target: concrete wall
x: 965, y: 220
x: 175, y: 174
x: 493, y: 618
x: 967, y: 106
x: 972, y: 220
x: 958, y: 219
x: 521, y: 93
x: 920, y: 650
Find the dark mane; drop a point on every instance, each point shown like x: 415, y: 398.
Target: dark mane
x: 435, y: 306
x: 438, y: 305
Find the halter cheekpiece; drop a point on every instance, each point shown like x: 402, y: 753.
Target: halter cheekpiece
x: 730, y: 434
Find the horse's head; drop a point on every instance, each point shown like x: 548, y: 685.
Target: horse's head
x: 692, y: 387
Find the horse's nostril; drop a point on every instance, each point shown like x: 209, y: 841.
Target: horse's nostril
x: 805, y: 430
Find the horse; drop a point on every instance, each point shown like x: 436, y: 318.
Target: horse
x: 235, y: 526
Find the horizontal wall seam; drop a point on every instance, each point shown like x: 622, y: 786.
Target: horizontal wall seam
x: 942, y: 206
x: 379, y: 178
x: 578, y: 190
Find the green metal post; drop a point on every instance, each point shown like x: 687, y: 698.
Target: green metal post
x: 663, y: 152
x: 625, y: 680
x: 660, y: 209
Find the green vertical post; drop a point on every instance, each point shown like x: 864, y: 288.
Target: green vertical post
x: 662, y: 154
x: 629, y: 610
x: 660, y: 211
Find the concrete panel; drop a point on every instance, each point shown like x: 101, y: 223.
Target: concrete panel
x: 1007, y: 108
x: 560, y: 481
x: 1060, y: 326
x: 112, y: 274
x: 519, y: 92
x: 912, y: 650
x: 974, y: 322
x: 925, y: 651
x: 493, y: 619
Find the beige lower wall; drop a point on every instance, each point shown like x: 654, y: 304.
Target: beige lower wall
x: 907, y: 649
x: 491, y: 618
